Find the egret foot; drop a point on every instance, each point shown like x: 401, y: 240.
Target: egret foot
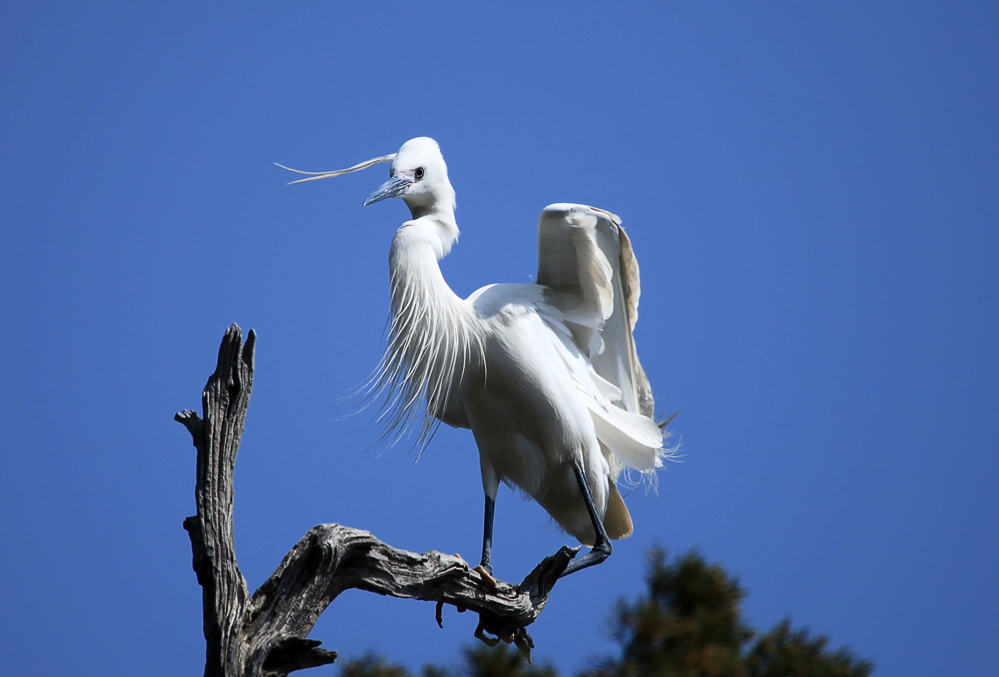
x: 487, y: 576
x: 596, y: 555
x: 601, y: 547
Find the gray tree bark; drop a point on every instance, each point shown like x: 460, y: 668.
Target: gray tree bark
x: 266, y: 634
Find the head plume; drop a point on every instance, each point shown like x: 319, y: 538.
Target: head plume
x: 315, y: 176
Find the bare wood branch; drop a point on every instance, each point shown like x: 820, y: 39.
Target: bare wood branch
x: 266, y: 634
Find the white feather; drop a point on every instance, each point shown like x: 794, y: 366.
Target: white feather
x: 546, y: 375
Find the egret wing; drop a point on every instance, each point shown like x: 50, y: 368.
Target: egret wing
x: 586, y: 261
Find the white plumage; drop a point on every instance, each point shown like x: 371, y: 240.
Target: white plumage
x: 545, y: 375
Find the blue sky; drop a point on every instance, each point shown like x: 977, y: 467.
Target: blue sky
x: 811, y: 189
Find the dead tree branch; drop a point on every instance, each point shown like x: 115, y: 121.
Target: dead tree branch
x: 265, y: 634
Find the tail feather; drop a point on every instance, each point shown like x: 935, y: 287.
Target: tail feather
x: 635, y: 439
x: 617, y: 521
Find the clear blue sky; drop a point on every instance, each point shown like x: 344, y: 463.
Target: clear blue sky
x: 813, y: 194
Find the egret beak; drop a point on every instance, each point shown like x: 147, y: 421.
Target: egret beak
x: 394, y: 187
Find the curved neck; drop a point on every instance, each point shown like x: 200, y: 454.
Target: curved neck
x: 434, y: 226
x: 433, y: 215
x: 413, y: 262
x: 434, y: 340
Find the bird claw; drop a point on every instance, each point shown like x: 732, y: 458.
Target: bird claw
x: 487, y: 577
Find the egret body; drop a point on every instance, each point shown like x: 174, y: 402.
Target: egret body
x: 545, y: 375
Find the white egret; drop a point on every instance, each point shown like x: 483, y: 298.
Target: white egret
x: 545, y: 375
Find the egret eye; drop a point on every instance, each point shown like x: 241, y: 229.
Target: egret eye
x: 419, y: 173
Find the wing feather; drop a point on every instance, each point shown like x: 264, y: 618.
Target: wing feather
x: 589, y: 270
x: 586, y: 260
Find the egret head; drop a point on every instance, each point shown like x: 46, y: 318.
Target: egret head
x: 419, y: 177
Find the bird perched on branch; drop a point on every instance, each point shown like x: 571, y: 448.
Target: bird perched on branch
x: 545, y: 375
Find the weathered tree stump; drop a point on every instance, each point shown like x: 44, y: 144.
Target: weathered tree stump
x: 266, y: 634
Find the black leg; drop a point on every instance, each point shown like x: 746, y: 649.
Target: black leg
x: 487, y: 536
x: 601, y: 547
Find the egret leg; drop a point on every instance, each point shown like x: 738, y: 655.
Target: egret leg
x: 487, y: 535
x: 601, y: 546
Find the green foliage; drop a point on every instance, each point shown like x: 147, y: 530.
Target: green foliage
x: 688, y: 624
x: 785, y: 653
x: 479, y: 661
x: 371, y: 665
x: 502, y: 661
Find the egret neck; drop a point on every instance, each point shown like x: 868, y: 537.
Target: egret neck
x: 434, y: 342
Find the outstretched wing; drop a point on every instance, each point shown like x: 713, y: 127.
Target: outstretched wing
x: 586, y: 261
